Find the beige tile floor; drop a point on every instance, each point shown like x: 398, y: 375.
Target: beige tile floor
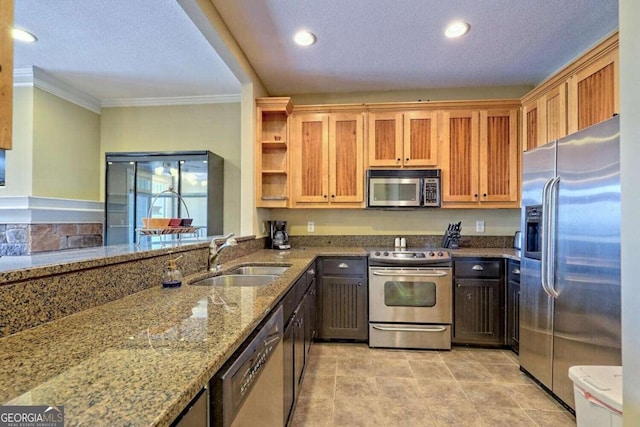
x: 353, y: 385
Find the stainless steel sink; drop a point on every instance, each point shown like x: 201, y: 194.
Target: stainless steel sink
x: 240, y: 280
x: 260, y: 270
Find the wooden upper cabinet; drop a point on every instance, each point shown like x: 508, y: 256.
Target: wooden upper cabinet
x: 420, y: 138
x: 6, y: 74
x: 272, y: 152
x: 531, y: 134
x: 328, y: 160
x: 545, y: 119
x: 593, y: 93
x: 554, y: 108
x: 403, y: 139
x: 385, y: 139
x: 459, y: 136
x: 479, y: 158
x: 499, y: 154
x: 311, y: 158
x: 346, y: 158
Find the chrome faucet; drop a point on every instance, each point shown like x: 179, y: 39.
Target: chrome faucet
x: 215, y: 249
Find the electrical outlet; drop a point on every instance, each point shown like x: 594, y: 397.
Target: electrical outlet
x: 480, y: 226
x: 311, y: 226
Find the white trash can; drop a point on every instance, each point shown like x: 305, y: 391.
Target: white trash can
x: 598, y: 395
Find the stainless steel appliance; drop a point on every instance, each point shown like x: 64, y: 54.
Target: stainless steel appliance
x: 278, y: 236
x: 410, y: 299
x: 403, y: 188
x: 249, y: 389
x: 570, y: 271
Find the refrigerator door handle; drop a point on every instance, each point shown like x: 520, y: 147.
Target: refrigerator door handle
x: 553, y: 227
x: 544, y: 265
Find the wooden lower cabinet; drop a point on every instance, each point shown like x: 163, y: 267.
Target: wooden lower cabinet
x: 343, y: 299
x: 513, y: 305
x: 479, y: 302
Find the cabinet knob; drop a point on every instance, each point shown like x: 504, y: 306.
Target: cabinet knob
x: 406, y: 160
x: 324, y: 195
x: 484, y: 195
x: 516, y: 271
x: 477, y: 268
x: 333, y: 196
x: 398, y: 159
x: 360, y: 284
x: 475, y: 195
x: 459, y: 285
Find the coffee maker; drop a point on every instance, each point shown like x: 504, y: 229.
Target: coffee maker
x: 278, y: 236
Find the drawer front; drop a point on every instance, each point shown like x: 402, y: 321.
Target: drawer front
x: 478, y: 268
x: 513, y: 271
x: 430, y: 337
x: 344, y: 267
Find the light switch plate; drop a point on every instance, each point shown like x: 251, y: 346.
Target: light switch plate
x: 480, y: 226
x: 311, y: 227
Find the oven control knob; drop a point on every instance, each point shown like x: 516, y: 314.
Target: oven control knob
x: 385, y: 253
x: 440, y: 254
x: 377, y: 253
x: 431, y: 254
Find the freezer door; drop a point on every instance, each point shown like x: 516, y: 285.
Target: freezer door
x: 536, y: 307
x: 587, y: 279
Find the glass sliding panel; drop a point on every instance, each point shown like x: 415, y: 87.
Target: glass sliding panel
x: 119, y: 219
x: 193, y: 188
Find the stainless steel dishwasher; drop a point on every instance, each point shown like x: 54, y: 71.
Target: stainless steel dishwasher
x: 248, y: 390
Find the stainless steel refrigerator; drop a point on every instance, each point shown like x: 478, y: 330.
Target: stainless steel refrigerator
x: 570, y: 266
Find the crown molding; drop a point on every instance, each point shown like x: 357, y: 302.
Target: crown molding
x: 175, y: 100
x: 37, y: 77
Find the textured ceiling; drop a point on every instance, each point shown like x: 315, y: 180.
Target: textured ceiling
x: 123, y: 49
x: 372, y: 45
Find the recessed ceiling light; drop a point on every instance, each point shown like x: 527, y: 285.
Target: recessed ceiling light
x: 456, y: 29
x: 22, y: 35
x: 304, y: 38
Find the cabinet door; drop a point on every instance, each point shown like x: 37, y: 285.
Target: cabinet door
x: 6, y: 74
x: 346, y: 158
x: 553, y: 106
x: 499, y: 154
x: 478, y: 311
x: 593, y: 93
x: 530, y: 126
x: 420, y: 139
x: 299, y: 351
x: 385, y: 139
x: 513, y: 313
x: 458, y: 137
x: 311, y: 164
x: 344, y: 308
x: 289, y: 382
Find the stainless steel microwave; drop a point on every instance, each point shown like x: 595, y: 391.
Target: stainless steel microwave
x: 403, y: 188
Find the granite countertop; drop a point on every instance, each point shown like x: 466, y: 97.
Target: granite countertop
x: 141, y: 359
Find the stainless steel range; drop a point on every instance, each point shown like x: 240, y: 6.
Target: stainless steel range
x: 410, y: 298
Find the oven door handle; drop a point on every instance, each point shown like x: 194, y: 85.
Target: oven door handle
x: 410, y: 329
x: 436, y: 273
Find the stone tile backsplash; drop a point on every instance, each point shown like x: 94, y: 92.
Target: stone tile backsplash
x: 27, y: 239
